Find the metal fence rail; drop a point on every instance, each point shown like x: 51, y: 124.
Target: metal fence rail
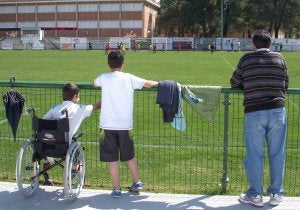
x: 206, y: 158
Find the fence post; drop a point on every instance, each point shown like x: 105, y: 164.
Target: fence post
x: 12, y: 80
x: 225, y: 179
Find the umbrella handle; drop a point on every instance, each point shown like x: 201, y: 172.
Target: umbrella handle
x: 11, y: 81
x: 31, y: 110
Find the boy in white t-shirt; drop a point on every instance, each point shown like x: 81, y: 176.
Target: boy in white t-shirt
x: 76, y: 114
x: 116, y: 119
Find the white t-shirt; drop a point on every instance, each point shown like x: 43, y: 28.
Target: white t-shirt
x: 76, y: 112
x: 117, y: 99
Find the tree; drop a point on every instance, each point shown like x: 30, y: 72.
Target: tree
x: 188, y: 17
x: 233, y: 16
x: 273, y: 15
x: 169, y: 17
x: 202, y: 17
x: 197, y: 16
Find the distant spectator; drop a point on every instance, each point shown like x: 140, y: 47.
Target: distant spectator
x: 178, y: 47
x: 150, y: 47
x: 154, y: 48
x: 232, y: 46
x: 212, y: 46
x: 280, y: 46
x: 107, y: 47
x: 163, y: 48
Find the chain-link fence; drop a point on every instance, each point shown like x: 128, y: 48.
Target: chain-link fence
x: 204, y: 159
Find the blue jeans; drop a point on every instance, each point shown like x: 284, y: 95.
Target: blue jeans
x: 260, y: 125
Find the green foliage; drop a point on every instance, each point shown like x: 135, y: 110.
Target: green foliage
x: 272, y: 15
x: 203, y: 18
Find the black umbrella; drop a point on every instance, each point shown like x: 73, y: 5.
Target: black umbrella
x: 13, y: 103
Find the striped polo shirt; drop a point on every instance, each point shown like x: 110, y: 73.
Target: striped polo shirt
x: 264, y: 79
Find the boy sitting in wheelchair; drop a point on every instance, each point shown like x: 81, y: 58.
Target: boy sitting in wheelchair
x: 76, y: 114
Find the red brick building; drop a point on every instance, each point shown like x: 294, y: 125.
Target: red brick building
x: 80, y: 18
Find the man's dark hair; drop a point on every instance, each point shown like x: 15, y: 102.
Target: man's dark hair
x: 115, y: 59
x: 261, y: 39
x: 69, y: 91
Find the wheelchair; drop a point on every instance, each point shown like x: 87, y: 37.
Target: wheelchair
x: 51, y: 139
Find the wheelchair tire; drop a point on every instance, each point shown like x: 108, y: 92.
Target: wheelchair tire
x: 27, y: 169
x: 74, y: 171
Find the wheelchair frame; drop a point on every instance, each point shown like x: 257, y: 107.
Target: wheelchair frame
x: 28, y: 170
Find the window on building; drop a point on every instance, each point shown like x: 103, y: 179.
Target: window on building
x: 109, y: 7
x: 87, y: 24
x: 46, y: 24
x: 26, y: 24
x: 26, y: 9
x: 87, y: 7
x: 131, y: 7
x: 8, y: 24
x: 8, y: 10
x: 131, y: 24
x: 46, y: 8
x: 109, y: 24
x: 66, y: 8
x: 66, y: 24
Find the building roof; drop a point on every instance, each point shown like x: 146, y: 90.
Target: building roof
x: 153, y: 2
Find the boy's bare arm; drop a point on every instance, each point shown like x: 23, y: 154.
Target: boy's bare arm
x: 150, y: 83
x: 96, y: 106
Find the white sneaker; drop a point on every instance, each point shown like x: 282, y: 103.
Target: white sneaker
x: 275, y: 199
x: 256, y: 201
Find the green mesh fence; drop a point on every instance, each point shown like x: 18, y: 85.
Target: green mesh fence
x: 204, y: 159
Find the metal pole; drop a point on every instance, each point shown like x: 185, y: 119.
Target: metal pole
x: 178, y: 15
x: 225, y: 179
x: 120, y: 18
x: 222, y: 22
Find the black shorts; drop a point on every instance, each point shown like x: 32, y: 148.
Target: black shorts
x: 116, y: 144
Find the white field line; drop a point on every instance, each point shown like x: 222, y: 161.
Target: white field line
x: 226, y: 61
x: 151, y: 146
x: 3, y: 121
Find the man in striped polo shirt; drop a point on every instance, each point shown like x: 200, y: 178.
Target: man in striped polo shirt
x: 263, y: 77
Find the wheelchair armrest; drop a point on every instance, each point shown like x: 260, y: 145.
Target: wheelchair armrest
x: 77, y: 135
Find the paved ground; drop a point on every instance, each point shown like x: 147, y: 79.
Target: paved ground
x: 52, y: 198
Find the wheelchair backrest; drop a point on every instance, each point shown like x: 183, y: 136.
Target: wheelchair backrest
x: 50, y: 131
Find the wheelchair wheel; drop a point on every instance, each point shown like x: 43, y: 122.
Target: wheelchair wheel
x: 74, y: 171
x: 27, y: 170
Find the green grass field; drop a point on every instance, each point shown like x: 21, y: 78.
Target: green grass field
x: 198, y: 68
x: 181, y: 162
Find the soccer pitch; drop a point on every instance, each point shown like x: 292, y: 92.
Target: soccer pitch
x: 82, y: 66
x: 168, y: 160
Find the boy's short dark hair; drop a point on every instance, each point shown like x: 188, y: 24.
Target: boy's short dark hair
x: 69, y: 90
x: 262, y: 39
x: 115, y: 59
